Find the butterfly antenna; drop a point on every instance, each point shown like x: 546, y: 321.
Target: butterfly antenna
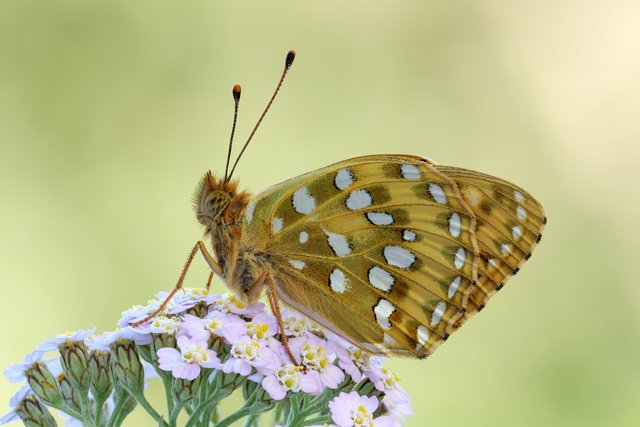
x: 236, y: 100
x: 287, y: 64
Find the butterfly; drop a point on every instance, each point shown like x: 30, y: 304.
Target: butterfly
x: 392, y: 252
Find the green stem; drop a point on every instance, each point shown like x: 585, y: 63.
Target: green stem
x: 99, y: 407
x: 251, y: 420
x: 324, y: 419
x: 86, y: 412
x: 117, y: 415
x: 195, y: 415
x: 139, y: 396
x: 173, y: 415
x: 167, y: 382
x: 241, y: 413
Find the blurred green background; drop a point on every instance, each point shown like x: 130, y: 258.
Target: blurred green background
x: 111, y: 111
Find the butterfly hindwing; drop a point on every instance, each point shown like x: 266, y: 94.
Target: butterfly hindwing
x: 385, y: 250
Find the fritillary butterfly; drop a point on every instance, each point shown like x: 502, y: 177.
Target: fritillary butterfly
x: 391, y: 252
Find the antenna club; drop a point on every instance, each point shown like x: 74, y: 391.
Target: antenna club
x: 291, y: 55
x: 236, y: 92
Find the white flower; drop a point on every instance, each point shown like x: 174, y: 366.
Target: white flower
x: 351, y: 409
x: 54, y: 343
x: 187, y: 362
x: 160, y: 325
x: 15, y: 373
x: 13, y: 403
x: 229, y: 303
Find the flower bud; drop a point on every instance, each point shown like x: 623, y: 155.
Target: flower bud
x: 43, y: 384
x: 230, y: 382
x: 185, y: 390
x: 100, y: 374
x: 75, y: 364
x: 126, y: 366
x: 34, y: 414
x: 70, y: 395
x: 199, y: 310
x: 161, y: 341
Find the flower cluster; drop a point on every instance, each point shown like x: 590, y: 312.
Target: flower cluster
x: 205, y: 347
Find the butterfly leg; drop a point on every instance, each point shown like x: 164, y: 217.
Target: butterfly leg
x: 275, y: 308
x: 208, y: 286
x: 212, y: 264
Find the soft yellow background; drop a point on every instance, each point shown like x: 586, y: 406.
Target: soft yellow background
x: 111, y: 111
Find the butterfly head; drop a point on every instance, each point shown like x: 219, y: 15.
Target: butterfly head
x: 215, y: 199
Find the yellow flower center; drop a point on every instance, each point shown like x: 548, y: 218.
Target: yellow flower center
x: 257, y: 330
x: 246, y: 350
x: 362, y: 417
x: 391, y: 379
x: 314, y: 357
x: 289, y: 376
x: 195, y: 354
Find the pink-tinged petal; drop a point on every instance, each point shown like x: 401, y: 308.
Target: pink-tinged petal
x: 184, y: 342
x: 310, y: 383
x: 397, y: 395
x: 241, y: 367
x: 332, y: 376
x: 15, y: 373
x: 386, y: 421
x: 168, y: 357
x: 186, y: 371
x: 350, y: 368
x: 274, y: 388
x: 341, y: 414
x: 340, y: 351
x: 227, y: 367
x: 371, y: 403
x: 212, y: 360
x: 256, y: 378
x: 269, y: 361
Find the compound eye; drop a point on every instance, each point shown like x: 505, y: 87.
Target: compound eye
x: 215, y: 202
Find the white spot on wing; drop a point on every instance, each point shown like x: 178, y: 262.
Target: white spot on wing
x: 249, y: 214
x: 338, y: 243
x: 380, y: 218
x: 493, y: 263
x: 422, y: 334
x: 518, y: 195
x: 295, y: 263
x: 383, y: 311
x: 410, y: 171
x: 338, y: 281
x: 521, y: 212
x: 455, y: 225
x: 517, y: 232
x: 277, y: 225
x: 398, y: 256
x: 408, y: 236
x: 453, y: 287
x: 437, y: 313
x: 303, y: 202
x: 505, y: 248
x: 359, y: 199
x: 381, y: 279
x: 461, y: 256
x: 344, y: 178
x: 304, y: 236
x: 437, y: 193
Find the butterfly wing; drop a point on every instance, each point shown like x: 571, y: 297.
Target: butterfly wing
x: 384, y: 250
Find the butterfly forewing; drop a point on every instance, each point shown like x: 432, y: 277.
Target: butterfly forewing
x: 387, y: 250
